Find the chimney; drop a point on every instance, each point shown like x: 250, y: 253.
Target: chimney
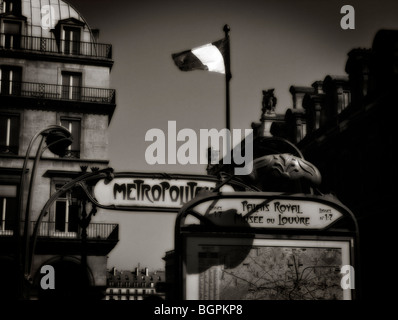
x: 317, y: 85
x: 298, y: 95
x: 357, y: 68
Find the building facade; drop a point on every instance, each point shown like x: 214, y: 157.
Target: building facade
x: 349, y: 137
x: 53, y: 71
x: 139, y: 284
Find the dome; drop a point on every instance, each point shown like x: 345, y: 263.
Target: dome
x: 43, y: 17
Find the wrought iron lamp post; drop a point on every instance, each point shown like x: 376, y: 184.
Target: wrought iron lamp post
x: 85, y: 209
x: 57, y: 139
x: 79, y: 185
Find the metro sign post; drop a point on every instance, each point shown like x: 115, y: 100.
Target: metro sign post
x: 235, y: 244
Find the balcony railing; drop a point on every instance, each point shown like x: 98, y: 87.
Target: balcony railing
x: 57, y: 92
x: 49, y: 45
x: 95, y: 231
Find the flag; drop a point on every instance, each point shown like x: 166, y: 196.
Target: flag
x: 209, y: 57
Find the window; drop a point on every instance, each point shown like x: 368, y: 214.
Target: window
x: 8, y: 208
x: 10, y: 80
x: 346, y: 98
x: 66, y: 216
x: 12, y: 35
x: 71, y: 85
x: 74, y: 127
x: 12, y: 6
x: 71, y: 40
x: 9, y: 133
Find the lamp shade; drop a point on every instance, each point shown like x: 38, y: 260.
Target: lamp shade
x: 58, y: 141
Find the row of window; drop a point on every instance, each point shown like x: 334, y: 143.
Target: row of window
x: 123, y: 298
x: 66, y: 217
x: 12, y: 30
x: 116, y: 297
x: 131, y: 292
x: 10, y: 128
x: 12, y: 39
x: 11, y: 83
x: 128, y: 284
x: 118, y: 277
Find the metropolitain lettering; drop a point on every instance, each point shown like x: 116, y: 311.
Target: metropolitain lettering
x: 138, y: 190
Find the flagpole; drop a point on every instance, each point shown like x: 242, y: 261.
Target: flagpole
x: 228, y: 76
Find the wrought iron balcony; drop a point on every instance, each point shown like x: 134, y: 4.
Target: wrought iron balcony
x: 56, y: 92
x: 55, y: 46
x: 95, y: 231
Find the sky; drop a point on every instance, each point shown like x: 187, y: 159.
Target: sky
x: 274, y: 44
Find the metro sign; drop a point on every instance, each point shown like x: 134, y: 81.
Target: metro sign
x: 154, y: 192
x: 267, y: 211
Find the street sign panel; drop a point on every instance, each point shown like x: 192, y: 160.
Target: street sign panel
x: 268, y: 213
x: 155, y: 193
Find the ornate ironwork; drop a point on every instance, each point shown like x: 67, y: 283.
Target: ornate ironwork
x: 285, y: 166
x: 50, y: 45
x: 60, y: 92
x: 82, y: 183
